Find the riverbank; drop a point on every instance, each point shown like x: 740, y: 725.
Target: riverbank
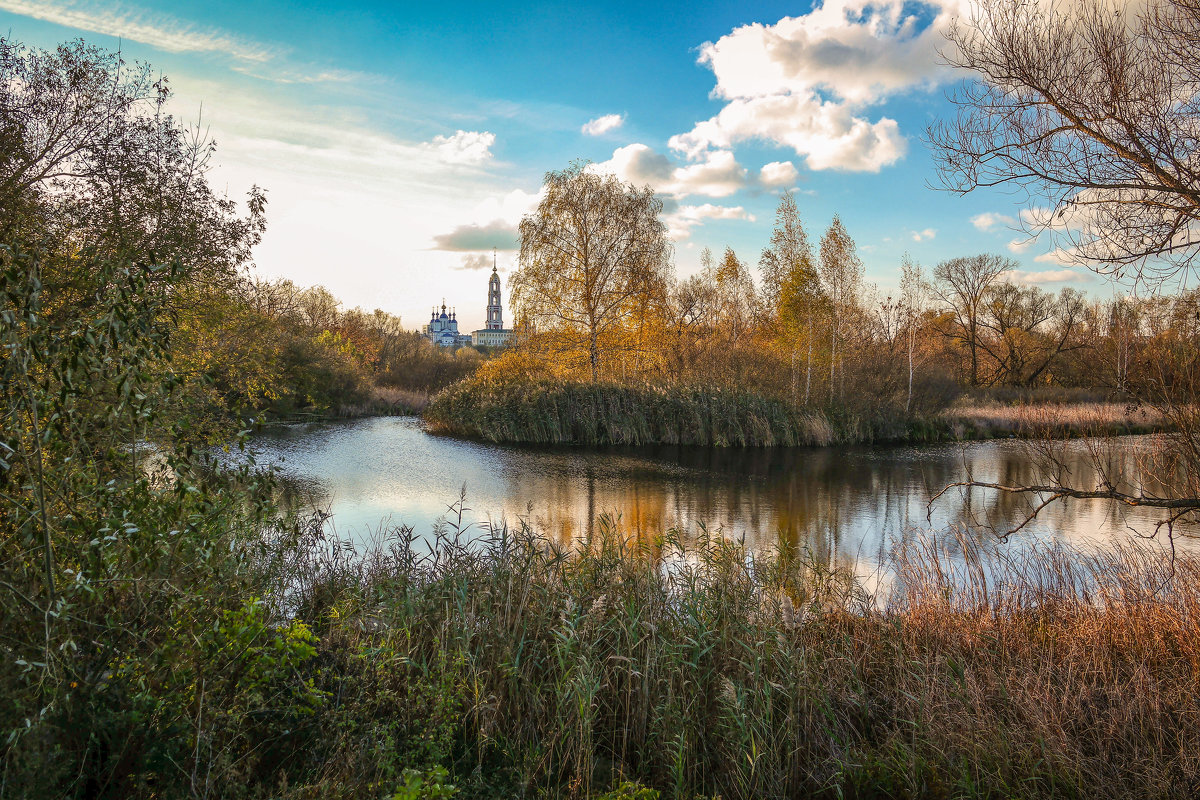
x: 384, y: 401
x: 609, y: 414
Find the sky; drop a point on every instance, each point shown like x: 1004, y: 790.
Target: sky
x: 400, y: 143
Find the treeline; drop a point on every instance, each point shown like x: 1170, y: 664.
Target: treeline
x: 94, y: 169
x: 811, y: 329
x: 275, y: 347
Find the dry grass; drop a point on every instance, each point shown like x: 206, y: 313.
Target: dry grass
x: 405, y: 401
x: 1056, y: 419
x: 710, y: 670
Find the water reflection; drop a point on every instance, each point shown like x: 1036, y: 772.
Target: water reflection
x: 847, y: 505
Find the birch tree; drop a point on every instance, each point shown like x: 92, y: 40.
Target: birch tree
x: 841, y: 272
x: 791, y: 288
x: 591, y: 251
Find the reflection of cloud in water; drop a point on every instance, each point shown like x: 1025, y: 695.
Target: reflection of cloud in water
x: 846, y: 505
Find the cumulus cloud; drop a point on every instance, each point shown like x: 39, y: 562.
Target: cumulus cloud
x: 469, y: 148
x: 806, y: 81
x: 1060, y: 255
x: 499, y: 234
x: 602, y: 125
x: 827, y: 134
x: 987, y: 221
x: 924, y: 236
x: 681, y: 220
x: 1046, y: 276
x: 717, y: 174
x: 778, y: 174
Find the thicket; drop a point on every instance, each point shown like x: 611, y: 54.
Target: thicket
x: 95, y: 170
x: 540, y: 411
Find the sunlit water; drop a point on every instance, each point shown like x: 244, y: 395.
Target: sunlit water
x: 848, y: 505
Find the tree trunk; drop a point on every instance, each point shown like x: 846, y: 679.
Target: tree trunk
x: 808, y: 368
x: 594, y: 354
x: 908, y: 402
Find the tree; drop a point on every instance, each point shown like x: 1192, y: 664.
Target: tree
x: 791, y: 286
x: 962, y: 284
x: 788, y: 259
x: 590, y: 251
x: 841, y: 272
x: 914, y: 296
x: 737, y: 300
x: 1093, y: 112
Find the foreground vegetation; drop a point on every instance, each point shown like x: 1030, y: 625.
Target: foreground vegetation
x: 516, y: 666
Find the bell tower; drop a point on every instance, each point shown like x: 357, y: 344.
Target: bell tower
x: 495, y: 311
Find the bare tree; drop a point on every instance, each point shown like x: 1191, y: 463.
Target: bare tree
x: 914, y: 298
x: 962, y: 284
x: 1094, y: 110
x: 593, y: 247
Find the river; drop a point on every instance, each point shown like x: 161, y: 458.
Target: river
x: 848, y: 505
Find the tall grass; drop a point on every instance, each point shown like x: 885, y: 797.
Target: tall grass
x: 1054, y: 419
x: 605, y: 414
x: 527, y: 668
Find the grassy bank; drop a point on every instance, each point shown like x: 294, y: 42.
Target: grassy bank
x: 611, y: 414
x: 993, y: 420
x: 296, y: 667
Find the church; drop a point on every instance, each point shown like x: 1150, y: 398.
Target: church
x: 442, y: 329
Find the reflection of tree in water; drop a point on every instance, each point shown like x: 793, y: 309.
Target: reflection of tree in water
x: 1088, y: 464
x: 822, y: 500
x: 300, y: 494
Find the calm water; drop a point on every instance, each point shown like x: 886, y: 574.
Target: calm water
x: 847, y: 505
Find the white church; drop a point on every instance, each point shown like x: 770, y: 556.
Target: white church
x: 442, y: 329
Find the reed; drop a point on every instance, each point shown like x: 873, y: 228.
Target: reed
x: 611, y: 414
x: 696, y: 668
x: 1054, y: 419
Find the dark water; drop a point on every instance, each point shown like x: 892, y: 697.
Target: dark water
x: 847, y: 505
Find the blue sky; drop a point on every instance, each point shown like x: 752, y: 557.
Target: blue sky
x: 399, y: 142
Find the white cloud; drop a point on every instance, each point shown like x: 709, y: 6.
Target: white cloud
x: 778, y: 174
x: 681, y: 221
x: 464, y: 147
x: 157, y: 30
x: 856, y: 50
x: 602, y: 125
x: 1061, y: 256
x: 987, y: 221
x: 1045, y: 276
x: 805, y: 81
x: 924, y: 236
x: 718, y: 174
x: 826, y: 134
